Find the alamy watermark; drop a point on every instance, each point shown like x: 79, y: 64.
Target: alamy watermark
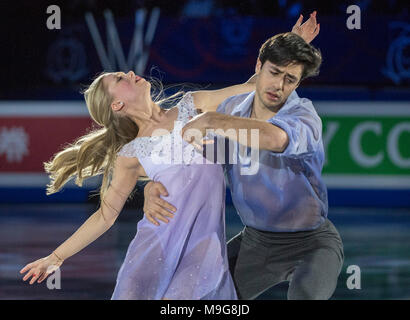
x: 354, y: 281
x: 54, y: 280
x: 354, y: 20
x: 171, y: 150
x: 54, y: 20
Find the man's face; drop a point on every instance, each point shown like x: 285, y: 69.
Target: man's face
x: 275, y: 83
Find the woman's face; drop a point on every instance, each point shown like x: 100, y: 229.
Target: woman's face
x: 131, y: 94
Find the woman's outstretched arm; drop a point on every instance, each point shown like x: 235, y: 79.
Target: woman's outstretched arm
x: 125, y: 176
x: 209, y: 100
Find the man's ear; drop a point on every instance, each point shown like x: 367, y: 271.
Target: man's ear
x: 258, y: 66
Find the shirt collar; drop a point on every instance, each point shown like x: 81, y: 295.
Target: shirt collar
x: 244, y: 108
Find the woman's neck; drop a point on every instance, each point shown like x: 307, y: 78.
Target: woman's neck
x: 158, y: 119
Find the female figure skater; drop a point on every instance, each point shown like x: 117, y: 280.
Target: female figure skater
x: 186, y: 260
x: 183, y: 260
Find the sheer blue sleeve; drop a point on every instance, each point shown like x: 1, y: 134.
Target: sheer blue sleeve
x: 304, y: 130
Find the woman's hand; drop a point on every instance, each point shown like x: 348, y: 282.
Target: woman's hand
x: 154, y: 206
x: 41, y: 268
x: 309, y: 30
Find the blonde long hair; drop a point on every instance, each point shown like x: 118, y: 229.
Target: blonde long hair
x: 95, y: 152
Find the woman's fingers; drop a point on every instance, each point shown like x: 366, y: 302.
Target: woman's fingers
x: 33, y: 272
x: 43, y: 276
x: 316, y: 32
x: 310, y: 24
x: 26, y: 268
x: 35, y: 277
x: 310, y: 29
x: 38, y: 270
x: 299, y: 22
x: 28, y: 275
x: 314, y: 22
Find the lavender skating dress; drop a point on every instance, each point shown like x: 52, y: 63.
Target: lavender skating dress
x: 186, y: 258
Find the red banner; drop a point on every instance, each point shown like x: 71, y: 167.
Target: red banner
x: 27, y: 142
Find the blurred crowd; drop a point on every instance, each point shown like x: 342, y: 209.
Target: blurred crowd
x: 210, y: 8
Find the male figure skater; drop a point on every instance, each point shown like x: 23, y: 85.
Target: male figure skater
x: 287, y: 235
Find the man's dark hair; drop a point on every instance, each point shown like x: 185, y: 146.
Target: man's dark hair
x: 286, y: 48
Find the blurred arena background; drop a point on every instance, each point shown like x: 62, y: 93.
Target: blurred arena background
x: 362, y: 95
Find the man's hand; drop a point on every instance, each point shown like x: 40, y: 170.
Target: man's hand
x: 154, y: 206
x: 309, y: 30
x: 194, y: 131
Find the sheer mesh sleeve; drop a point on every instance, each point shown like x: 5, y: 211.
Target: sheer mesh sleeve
x: 186, y: 107
x: 139, y: 147
x: 143, y: 146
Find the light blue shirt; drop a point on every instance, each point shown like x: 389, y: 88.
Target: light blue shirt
x: 287, y: 193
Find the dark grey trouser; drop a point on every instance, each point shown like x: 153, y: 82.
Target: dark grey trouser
x: 310, y: 260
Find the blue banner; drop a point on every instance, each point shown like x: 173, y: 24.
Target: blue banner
x: 203, y: 51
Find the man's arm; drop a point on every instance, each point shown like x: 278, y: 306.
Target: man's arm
x: 295, y: 132
x: 273, y: 137
x: 269, y: 136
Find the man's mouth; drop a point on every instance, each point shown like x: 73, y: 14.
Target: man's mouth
x: 272, y: 96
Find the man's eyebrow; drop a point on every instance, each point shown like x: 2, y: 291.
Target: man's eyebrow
x: 280, y: 71
x: 276, y: 69
x: 292, y: 76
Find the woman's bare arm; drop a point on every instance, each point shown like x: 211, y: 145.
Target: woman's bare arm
x: 209, y: 100
x: 125, y: 176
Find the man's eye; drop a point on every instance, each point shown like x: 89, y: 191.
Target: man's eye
x: 274, y: 73
x: 290, y: 81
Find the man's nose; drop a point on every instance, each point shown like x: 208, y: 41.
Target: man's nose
x: 278, y: 83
